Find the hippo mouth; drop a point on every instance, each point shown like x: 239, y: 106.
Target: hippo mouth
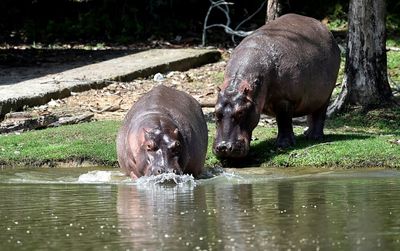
x: 236, y: 150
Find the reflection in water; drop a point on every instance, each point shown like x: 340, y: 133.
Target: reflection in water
x: 148, y: 215
x: 296, y: 214
x: 331, y: 212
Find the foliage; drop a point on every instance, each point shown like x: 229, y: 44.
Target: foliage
x: 105, y: 20
x: 123, y: 21
x: 338, y: 18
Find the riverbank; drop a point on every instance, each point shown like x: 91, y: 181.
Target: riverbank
x: 353, y: 140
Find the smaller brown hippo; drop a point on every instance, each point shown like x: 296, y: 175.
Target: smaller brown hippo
x: 287, y: 68
x: 164, y: 131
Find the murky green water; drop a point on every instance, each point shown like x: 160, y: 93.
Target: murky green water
x: 50, y: 209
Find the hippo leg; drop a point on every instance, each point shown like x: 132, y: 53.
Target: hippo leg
x: 284, y: 115
x: 316, y: 123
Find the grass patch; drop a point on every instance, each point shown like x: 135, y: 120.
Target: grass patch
x: 94, y: 142
x: 393, y: 64
x: 352, y: 140
x: 393, y: 41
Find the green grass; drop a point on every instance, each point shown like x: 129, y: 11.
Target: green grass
x: 94, y: 142
x: 393, y: 42
x: 352, y: 140
x: 393, y: 64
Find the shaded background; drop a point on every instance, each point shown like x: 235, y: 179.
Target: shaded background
x: 124, y: 21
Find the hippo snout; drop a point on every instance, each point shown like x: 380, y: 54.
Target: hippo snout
x: 226, y: 149
x: 156, y: 170
x: 223, y: 147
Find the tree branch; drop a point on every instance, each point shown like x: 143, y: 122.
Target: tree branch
x: 341, y: 101
x: 222, y: 5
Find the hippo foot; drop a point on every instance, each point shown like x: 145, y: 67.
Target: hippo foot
x: 312, y: 135
x: 285, y: 142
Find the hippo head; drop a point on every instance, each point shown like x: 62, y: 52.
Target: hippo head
x: 160, y: 152
x: 236, y: 116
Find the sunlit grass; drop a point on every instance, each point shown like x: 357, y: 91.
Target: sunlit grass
x: 352, y: 140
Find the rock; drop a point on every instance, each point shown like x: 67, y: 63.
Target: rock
x: 72, y: 120
x: 158, y: 77
x: 27, y: 124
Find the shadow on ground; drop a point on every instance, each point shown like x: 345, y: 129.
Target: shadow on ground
x: 17, y: 65
x: 263, y: 151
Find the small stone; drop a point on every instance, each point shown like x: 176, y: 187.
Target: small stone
x: 158, y: 77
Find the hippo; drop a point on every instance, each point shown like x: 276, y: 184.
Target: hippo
x: 287, y: 68
x: 164, y: 131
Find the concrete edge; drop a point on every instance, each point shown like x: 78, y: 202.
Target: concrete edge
x: 179, y: 65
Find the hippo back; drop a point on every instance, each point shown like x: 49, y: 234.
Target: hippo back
x: 297, y: 57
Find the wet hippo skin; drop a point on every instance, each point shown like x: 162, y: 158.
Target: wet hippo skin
x: 286, y: 68
x: 164, y: 131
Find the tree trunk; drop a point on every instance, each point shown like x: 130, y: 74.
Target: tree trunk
x: 365, y: 82
x: 274, y: 10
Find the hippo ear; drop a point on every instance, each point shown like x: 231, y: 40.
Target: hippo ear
x: 246, y: 91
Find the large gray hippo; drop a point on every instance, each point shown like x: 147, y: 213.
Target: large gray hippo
x: 164, y: 131
x: 287, y: 68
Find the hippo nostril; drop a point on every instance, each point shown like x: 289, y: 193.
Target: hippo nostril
x: 221, y: 148
x: 224, y: 147
x: 159, y: 171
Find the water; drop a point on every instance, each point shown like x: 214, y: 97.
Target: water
x: 79, y: 209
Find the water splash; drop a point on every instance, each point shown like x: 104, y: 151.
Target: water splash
x: 232, y: 176
x: 95, y: 176
x: 167, y: 178
x: 99, y: 176
x: 224, y: 178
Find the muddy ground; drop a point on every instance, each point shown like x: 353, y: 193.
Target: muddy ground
x: 113, y: 101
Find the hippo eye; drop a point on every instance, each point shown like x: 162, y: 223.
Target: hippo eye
x: 175, y: 147
x: 151, y: 146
